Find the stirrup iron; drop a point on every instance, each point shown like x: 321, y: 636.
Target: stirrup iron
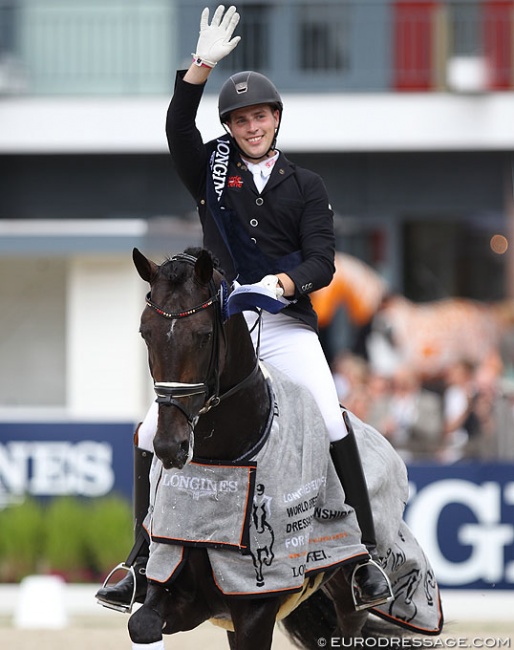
x: 358, y: 603
x: 125, y: 609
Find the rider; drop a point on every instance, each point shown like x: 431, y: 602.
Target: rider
x: 270, y: 223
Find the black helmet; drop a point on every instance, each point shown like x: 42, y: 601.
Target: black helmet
x: 246, y: 89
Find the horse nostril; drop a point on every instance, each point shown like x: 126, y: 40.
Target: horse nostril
x: 183, y: 454
x: 172, y: 454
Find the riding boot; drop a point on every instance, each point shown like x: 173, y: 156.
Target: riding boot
x: 122, y: 595
x: 370, y: 585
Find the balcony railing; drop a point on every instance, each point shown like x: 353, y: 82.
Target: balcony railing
x: 116, y: 47
x: 78, y: 47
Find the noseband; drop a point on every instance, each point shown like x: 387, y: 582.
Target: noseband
x: 169, y: 392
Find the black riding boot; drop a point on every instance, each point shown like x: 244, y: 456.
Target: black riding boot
x: 121, y: 596
x: 370, y: 584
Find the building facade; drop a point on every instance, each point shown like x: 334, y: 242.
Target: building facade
x: 404, y: 108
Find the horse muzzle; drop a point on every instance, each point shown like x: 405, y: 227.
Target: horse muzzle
x: 174, y: 453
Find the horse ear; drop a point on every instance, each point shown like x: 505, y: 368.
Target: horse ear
x: 204, y: 267
x: 145, y: 267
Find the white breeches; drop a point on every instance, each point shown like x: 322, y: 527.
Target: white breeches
x: 148, y: 428
x: 294, y: 348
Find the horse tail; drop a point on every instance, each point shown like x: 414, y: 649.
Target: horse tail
x: 313, y: 619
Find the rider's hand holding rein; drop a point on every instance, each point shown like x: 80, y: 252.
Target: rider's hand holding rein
x: 215, y: 42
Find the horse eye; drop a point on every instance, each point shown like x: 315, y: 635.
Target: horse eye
x: 203, y: 338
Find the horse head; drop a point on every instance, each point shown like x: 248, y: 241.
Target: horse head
x: 183, y: 331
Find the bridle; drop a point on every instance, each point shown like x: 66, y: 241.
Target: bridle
x: 169, y: 392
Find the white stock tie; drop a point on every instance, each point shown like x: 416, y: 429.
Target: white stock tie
x: 259, y: 178
x: 261, y: 171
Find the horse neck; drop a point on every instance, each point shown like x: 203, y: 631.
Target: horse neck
x: 234, y: 426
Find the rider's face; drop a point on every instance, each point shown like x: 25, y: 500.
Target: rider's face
x: 253, y: 128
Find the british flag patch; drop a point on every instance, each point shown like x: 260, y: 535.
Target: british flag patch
x: 235, y: 181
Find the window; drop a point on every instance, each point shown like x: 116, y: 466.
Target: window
x: 253, y: 52
x: 7, y: 27
x: 465, y: 28
x: 324, y: 38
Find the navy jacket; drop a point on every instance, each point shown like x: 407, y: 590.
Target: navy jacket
x: 291, y: 216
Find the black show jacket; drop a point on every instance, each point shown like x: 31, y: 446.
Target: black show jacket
x: 291, y: 214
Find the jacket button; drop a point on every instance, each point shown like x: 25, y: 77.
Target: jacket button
x: 259, y: 201
x: 254, y: 223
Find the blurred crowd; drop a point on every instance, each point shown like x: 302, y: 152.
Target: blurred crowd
x: 467, y: 414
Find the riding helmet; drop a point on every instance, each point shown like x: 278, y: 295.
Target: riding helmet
x: 247, y: 89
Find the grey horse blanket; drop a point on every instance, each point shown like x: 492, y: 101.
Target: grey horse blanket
x: 280, y: 517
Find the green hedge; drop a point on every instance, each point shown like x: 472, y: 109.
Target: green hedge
x: 79, y: 539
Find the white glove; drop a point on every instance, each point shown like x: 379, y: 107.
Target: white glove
x: 270, y: 283
x: 214, y: 41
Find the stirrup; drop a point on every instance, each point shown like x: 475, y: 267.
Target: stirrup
x: 125, y: 609
x: 358, y: 603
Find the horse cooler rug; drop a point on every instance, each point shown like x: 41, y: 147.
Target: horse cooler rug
x: 272, y: 520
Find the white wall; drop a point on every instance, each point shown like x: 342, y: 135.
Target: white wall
x: 106, y: 358
x: 333, y: 122
x: 32, y: 329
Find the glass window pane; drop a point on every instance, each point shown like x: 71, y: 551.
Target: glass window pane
x: 465, y: 29
x: 324, y: 38
x: 252, y: 53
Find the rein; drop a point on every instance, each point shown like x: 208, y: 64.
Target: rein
x: 169, y: 392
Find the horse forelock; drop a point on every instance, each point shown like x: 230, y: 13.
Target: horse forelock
x: 175, y: 272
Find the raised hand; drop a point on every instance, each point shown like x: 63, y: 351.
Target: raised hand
x: 215, y: 40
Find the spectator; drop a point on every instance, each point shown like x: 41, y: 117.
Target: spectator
x: 460, y: 420
x: 351, y: 375
x: 492, y: 409
x: 415, y: 423
x: 380, y: 389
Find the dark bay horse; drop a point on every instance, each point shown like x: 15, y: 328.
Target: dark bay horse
x: 214, y: 403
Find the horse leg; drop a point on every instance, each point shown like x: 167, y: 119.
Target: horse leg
x: 254, y: 621
x: 231, y: 640
x: 146, y: 624
x: 350, y: 621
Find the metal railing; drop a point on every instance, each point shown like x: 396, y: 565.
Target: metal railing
x: 77, y: 47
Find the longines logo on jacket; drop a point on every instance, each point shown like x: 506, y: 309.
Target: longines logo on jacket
x: 219, y: 166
